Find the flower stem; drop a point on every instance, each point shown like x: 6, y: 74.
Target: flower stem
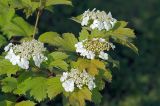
x: 41, y: 6
x: 36, y: 24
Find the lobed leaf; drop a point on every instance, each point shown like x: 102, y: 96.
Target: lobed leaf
x: 54, y: 87
x: 66, y: 42
x: 9, y: 84
x: 7, y: 68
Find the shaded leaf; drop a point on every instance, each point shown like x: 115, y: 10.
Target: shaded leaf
x: 6, y: 103
x: 3, y: 41
x: 57, y: 2
x: 96, y: 96
x: 25, y: 103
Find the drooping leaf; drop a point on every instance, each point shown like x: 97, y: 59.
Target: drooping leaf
x: 25, y: 103
x: 54, y: 87
x: 123, y: 35
x: 9, y: 84
x: 7, y: 68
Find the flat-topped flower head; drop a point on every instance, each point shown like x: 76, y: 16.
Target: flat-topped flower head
x: 22, y: 53
x: 91, y: 48
x: 96, y: 19
x: 78, y: 79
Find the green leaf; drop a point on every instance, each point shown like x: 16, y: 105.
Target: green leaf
x: 97, y: 33
x: 7, y: 68
x: 9, y: 84
x: 124, y: 32
x: 124, y: 36
x: 38, y: 87
x: 23, y: 87
x: 78, y: 98
x: 96, y: 96
x: 52, y: 38
x: 54, y: 87
x: 59, y: 64
x: 92, y: 66
x: 6, y: 103
x: 84, y: 34
x: 57, y: 60
x: 58, y: 55
x: 25, y: 103
x: 57, y: 2
x: 67, y: 42
x: 2, y: 41
x: 18, y: 27
x: 77, y: 19
x: 35, y: 86
x: 107, y: 75
x: 115, y: 63
x: 120, y: 24
x: 6, y: 14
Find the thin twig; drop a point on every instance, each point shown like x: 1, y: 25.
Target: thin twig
x: 36, y: 24
x: 37, y: 19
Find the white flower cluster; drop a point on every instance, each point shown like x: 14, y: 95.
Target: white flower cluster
x: 78, y: 79
x: 21, y: 54
x: 98, y: 19
x: 94, y: 47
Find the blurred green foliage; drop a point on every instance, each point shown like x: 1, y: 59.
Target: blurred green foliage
x: 137, y: 83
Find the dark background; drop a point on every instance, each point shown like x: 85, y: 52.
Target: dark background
x: 137, y: 82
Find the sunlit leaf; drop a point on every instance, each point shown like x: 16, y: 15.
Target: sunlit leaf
x: 7, y: 68
x: 9, y: 84
x: 54, y: 87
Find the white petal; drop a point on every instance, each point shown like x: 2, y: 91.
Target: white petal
x: 103, y: 56
x: 102, y: 40
x: 85, y: 21
x: 8, y: 47
x: 24, y: 63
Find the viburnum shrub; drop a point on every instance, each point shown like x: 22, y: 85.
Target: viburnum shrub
x: 76, y: 69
